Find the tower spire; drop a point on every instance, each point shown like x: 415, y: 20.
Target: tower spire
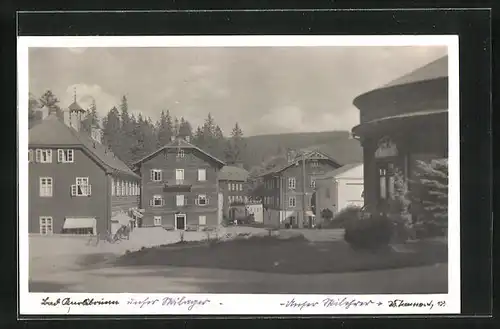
x: 74, y: 94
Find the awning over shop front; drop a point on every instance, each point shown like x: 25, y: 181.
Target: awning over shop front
x: 310, y: 213
x: 79, y: 222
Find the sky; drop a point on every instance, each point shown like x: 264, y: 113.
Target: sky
x: 267, y: 90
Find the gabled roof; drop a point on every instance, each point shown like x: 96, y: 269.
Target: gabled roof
x: 233, y: 173
x: 53, y: 132
x: 339, y: 171
x: 180, y: 144
x: 308, y: 155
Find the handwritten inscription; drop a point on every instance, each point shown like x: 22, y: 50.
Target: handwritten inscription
x: 169, y: 301
x: 72, y: 302
x: 345, y: 303
x: 397, y: 303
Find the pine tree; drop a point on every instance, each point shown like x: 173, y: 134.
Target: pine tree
x: 33, y: 105
x: 431, y: 190
x: 185, y: 129
x: 164, y: 129
x: 111, y: 130
x: 91, y: 118
x: 235, y: 146
x: 126, y: 132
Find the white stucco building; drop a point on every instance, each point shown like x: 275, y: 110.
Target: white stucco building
x: 339, y: 188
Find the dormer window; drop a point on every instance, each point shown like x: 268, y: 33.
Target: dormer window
x: 180, y: 154
x: 314, y: 163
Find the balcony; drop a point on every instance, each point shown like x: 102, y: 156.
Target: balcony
x: 177, y: 185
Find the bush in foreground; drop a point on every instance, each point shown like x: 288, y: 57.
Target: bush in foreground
x: 371, y: 233
x: 346, y: 215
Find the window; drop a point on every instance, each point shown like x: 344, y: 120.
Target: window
x: 291, y: 182
x: 314, y: 163
x: 123, y: 188
x: 202, y: 200
x: 156, y: 175
x: 82, y: 187
x: 241, y: 187
x: 44, y: 155
x: 130, y: 188
x: 46, y: 227
x: 312, y: 183
x: 180, y: 153
x: 292, y: 202
x: 46, y: 186
x: 202, y: 175
x: 179, y: 176
x: 30, y: 156
x: 229, y: 186
x: 118, y: 187
x: 202, y: 220
x: 179, y: 200
x: 112, y: 186
x: 157, y: 220
x: 65, y: 156
x: 157, y: 201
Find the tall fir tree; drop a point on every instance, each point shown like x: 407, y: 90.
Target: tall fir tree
x: 185, y: 129
x: 91, y: 118
x: 49, y: 100
x: 111, y: 130
x: 125, y: 132
x: 33, y: 105
x: 235, y: 146
x: 164, y: 129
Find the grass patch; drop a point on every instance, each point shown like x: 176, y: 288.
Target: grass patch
x: 294, y: 255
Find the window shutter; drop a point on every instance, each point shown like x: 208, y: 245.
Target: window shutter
x: 152, y: 175
x: 206, y: 200
x: 38, y: 155
x: 196, y: 201
x: 162, y: 202
x: 60, y: 155
x: 73, y: 190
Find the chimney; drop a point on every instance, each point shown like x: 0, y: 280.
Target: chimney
x: 173, y: 138
x: 44, y: 112
x: 187, y: 139
x: 67, y: 119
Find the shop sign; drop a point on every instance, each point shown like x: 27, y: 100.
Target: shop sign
x: 386, y: 148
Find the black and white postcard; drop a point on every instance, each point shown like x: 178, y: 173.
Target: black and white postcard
x: 239, y: 175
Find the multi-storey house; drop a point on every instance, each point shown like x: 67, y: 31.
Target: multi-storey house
x: 288, y: 189
x: 180, y: 187
x: 232, y: 185
x: 76, y: 183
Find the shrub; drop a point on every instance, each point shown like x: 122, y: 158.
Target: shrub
x: 371, y: 233
x: 349, y: 213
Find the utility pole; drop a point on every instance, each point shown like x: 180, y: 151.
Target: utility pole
x: 301, y: 223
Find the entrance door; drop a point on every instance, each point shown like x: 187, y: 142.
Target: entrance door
x: 180, y: 221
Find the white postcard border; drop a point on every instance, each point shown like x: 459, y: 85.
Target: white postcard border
x: 243, y: 304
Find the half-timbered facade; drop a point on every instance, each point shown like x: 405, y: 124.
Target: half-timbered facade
x: 180, y: 187
x: 288, y: 189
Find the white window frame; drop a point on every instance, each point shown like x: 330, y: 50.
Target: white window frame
x: 46, y: 190
x: 118, y: 187
x: 30, y: 156
x: 179, y: 173
x: 202, y: 220
x: 156, y: 175
x: 241, y: 186
x: 65, y: 156
x: 292, y: 183
x: 314, y: 163
x: 44, y: 159
x: 202, y: 197
x: 312, y: 183
x: 112, y: 186
x: 290, y: 203
x: 180, y: 154
x: 157, y: 220
x: 180, y: 200
x: 157, y: 197
x: 46, y: 222
x: 202, y: 175
x: 81, y: 187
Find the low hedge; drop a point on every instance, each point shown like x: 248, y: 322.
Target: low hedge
x: 370, y: 233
